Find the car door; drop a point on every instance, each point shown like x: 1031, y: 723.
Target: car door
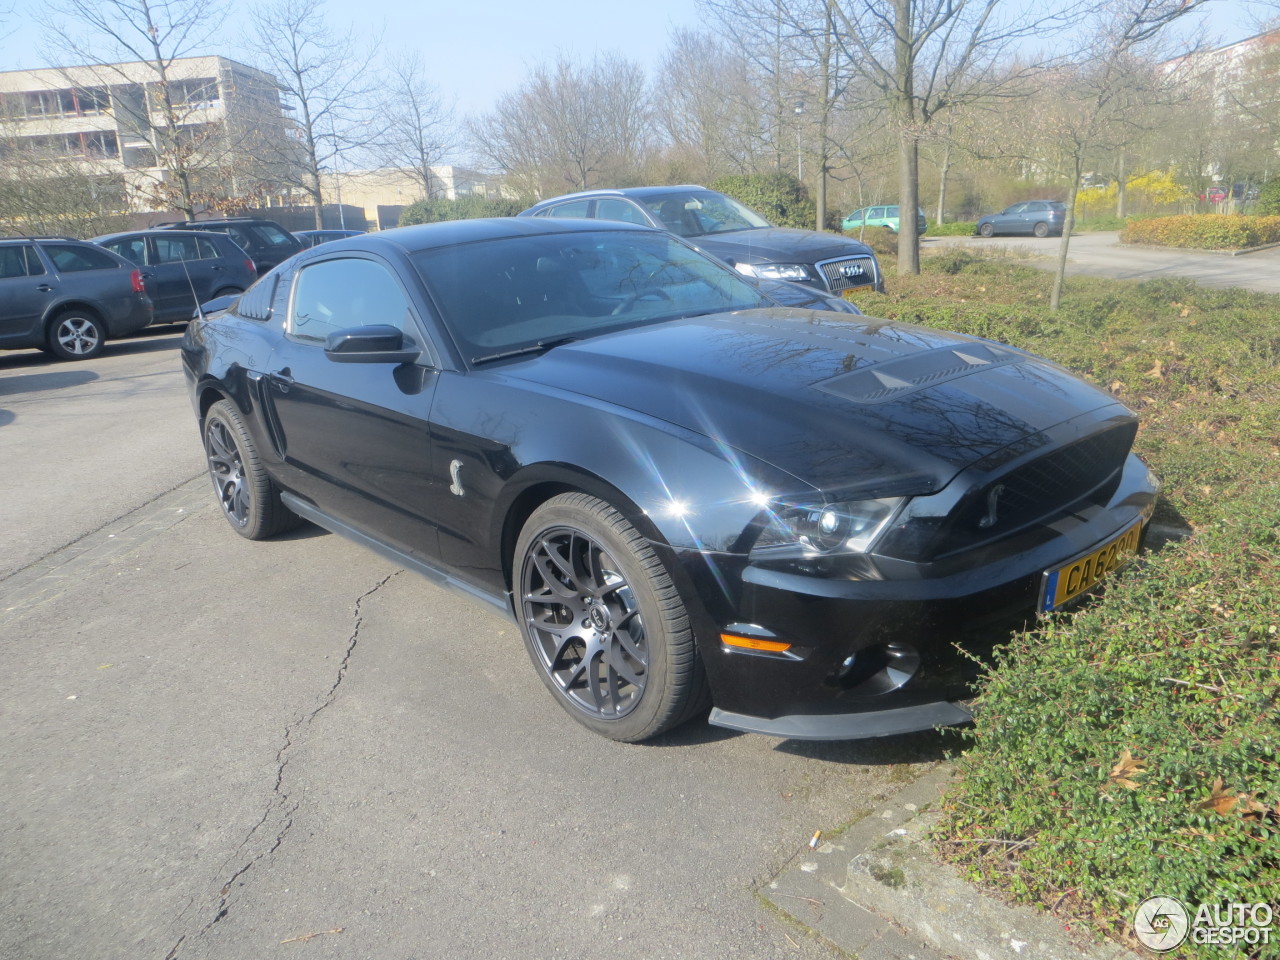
x: 182, y: 276
x: 1014, y: 220
x: 26, y: 290
x: 354, y: 437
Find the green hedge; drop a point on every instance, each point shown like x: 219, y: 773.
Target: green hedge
x: 1207, y: 231
x: 1134, y: 749
x: 778, y: 197
x: 468, y: 207
x: 961, y: 228
x: 1269, y: 198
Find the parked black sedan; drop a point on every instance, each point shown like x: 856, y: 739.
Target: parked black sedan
x: 680, y: 491
x: 735, y: 233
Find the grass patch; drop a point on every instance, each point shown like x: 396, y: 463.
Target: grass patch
x: 1133, y: 749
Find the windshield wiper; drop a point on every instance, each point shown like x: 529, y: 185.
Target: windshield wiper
x: 542, y: 346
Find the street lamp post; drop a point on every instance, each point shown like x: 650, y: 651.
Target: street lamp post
x: 799, y: 153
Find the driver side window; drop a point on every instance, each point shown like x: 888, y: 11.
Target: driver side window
x: 336, y: 294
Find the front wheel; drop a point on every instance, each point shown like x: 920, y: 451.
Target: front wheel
x: 249, y: 499
x: 603, y: 621
x: 987, y: 230
x: 76, y: 335
x: 1041, y: 230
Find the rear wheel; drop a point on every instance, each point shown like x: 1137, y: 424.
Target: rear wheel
x: 76, y: 335
x: 603, y: 621
x: 249, y: 499
x: 1041, y: 230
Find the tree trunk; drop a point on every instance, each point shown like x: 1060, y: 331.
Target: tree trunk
x: 1121, y: 177
x: 942, y: 183
x: 908, y: 145
x: 1068, y: 223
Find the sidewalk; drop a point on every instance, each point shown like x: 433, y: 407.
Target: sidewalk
x: 883, y: 868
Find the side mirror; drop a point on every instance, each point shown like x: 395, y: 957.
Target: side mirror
x: 376, y: 343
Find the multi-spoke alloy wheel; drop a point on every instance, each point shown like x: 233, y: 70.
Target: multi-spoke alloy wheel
x: 249, y: 500
x: 226, y: 469
x: 603, y: 621
x: 76, y: 336
x: 582, y: 615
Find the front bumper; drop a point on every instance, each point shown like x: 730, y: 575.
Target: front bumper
x: 871, y: 658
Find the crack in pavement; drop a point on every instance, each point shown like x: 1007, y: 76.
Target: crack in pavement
x: 280, y: 804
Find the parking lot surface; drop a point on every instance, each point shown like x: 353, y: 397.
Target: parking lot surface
x: 224, y: 749
x: 1102, y: 255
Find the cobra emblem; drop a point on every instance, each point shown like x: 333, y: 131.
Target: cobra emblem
x: 993, y: 506
x: 455, y: 474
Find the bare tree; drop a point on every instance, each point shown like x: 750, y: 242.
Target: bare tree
x: 326, y: 77
x: 1098, y: 102
x: 708, y: 104
x: 419, y: 127
x: 930, y: 56
x: 570, y: 127
x: 135, y: 43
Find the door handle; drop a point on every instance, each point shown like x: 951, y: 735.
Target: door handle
x: 215, y: 267
x: 44, y: 288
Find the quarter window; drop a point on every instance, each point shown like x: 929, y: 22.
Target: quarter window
x: 71, y: 259
x: 337, y: 294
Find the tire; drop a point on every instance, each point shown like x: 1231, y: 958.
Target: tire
x: 249, y: 499
x: 987, y: 230
x: 603, y: 622
x: 76, y: 335
x: 1041, y: 230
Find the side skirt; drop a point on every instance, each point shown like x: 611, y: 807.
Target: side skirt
x: 501, y: 603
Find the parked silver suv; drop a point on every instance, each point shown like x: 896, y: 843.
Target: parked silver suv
x: 67, y: 296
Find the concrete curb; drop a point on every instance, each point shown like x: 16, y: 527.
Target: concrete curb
x: 900, y: 901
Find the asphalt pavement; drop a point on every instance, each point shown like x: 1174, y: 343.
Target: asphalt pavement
x: 225, y: 749
x: 1103, y: 255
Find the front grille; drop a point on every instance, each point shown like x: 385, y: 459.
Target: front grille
x: 1071, y: 478
x: 848, y: 273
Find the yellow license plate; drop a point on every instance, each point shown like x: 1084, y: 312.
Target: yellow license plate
x: 1082, y: 574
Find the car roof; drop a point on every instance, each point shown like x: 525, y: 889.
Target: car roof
x: 42, y: 239
x: 637, y: 192
x: 429, y: 236
x: 150, y: 231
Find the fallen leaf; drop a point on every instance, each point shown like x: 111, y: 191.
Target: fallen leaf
x: 1125, y: 769
x: 1220, y: 801
x: 1156, y: 371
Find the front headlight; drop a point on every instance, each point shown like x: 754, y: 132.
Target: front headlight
x: 773, y: 271
x: 807, y: 531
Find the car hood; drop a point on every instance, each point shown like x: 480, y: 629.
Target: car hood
x: 779, y: 245
x: 851, y: 405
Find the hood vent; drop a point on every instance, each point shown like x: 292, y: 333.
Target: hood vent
x: 895, y: 378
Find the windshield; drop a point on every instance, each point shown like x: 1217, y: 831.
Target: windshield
x: 696, y: 213
x: 498, y: 295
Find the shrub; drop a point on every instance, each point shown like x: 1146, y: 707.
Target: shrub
x: 880, y: 239
x: 1206, y: 231
x: 1269, y: 198
x: 778, y: 197
x: 469, y: 207
x: 961, y: 228
x: 1133, y: 749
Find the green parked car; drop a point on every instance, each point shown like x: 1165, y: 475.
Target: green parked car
x: 881, y: 217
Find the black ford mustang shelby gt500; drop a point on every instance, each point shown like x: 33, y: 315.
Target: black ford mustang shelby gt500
x: 681, y: 491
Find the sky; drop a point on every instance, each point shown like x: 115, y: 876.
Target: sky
x: 475, y: 52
